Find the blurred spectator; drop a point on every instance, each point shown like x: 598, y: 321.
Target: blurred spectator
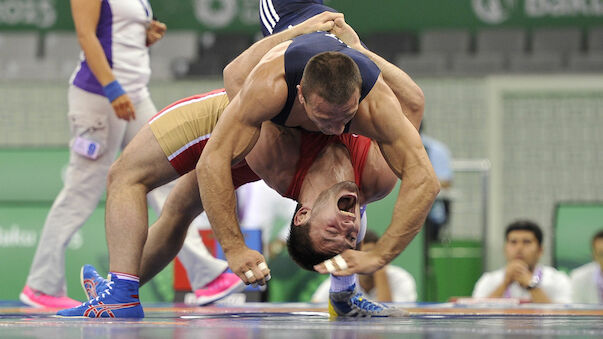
x: 389, y: 284
x: 523, y: 277
x: 440, y: 158
x: 587, y: 280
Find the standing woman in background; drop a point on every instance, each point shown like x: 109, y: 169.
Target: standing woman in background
x: 108, y: 103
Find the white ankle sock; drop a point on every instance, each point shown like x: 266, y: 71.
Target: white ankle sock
x: 343, y: 283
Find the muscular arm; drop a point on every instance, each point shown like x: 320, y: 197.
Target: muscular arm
x: 237, y: 70
x: 403, y: 150
x: 417, y: 193
x: 262, y: 96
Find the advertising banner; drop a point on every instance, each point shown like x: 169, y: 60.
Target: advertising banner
x: 365, y: 16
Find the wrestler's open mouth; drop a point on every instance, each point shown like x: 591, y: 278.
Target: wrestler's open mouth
x: 347, y: 203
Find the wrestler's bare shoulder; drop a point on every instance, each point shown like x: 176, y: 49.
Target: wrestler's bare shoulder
x: 374, y: 113
x: 276, y: 53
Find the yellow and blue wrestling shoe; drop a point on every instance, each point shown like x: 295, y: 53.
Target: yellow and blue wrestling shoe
x: 118, y: 300
x: 351, y: 303
x: 92, y: 283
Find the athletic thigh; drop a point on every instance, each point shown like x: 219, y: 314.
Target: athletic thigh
x: 143, y: 162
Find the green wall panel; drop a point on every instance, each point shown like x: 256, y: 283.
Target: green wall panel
x: 30, y: 179
x: 575, y: 224
x: 32, y: 175
x: 453, y: 269
x: 20, y: 228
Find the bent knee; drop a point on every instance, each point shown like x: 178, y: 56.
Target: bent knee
x: 122, y: 175
x: 116, y: 173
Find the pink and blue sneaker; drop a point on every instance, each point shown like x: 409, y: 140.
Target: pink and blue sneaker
x: 118, y: 300
x: 40, y: 299
x: 223, y: 285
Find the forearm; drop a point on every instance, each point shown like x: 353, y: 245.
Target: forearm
x: 231, y: 140
x: 406, y: 90
x: 218, y: 198
x: 417, y: 192
x: 538, y: 296
x: 499, y: 292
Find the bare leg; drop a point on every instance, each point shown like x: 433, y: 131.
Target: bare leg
x: 167, y: 234
x: 141, y: 168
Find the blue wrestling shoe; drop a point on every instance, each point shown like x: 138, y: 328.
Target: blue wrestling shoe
x: 118, y: 300
x: 351, y: 303
x: 92, y: 283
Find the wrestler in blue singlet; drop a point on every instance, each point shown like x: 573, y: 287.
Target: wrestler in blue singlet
x: 277, y: 15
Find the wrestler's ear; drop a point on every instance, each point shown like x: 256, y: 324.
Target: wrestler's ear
x: 301, y: 216
x: 300, y: 95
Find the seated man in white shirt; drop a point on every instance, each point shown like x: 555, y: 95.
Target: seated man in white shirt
x: 587, y: 280
x: 523, y: 278
x: 389, y: 284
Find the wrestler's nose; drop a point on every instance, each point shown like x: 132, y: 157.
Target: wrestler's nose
x: 348, y: 224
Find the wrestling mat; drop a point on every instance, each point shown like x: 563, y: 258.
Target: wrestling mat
x: 303, y: 320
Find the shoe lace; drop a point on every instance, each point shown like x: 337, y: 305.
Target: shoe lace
x: 105, y: 293
x: 365, y: 304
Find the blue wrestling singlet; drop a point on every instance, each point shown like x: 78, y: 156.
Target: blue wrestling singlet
x: 276, y: 15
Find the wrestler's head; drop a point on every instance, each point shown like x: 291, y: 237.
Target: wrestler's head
x: 329, y: 91
x: 327, y: 227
